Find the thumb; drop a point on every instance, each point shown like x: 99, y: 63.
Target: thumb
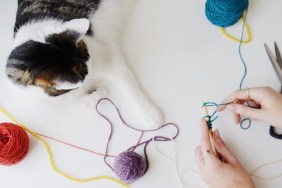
x: 224, y: 150
x: 245, y: 110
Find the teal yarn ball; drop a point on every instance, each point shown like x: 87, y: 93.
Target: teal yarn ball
x: 224, y: 13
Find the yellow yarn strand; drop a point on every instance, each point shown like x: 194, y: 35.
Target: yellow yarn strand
x: 248, y: 31
x: 54, y: 167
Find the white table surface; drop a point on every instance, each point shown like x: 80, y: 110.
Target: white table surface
x: 180, y: 59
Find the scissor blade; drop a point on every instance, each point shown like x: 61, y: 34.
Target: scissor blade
x: 278, y: 55
x: 274, y: 63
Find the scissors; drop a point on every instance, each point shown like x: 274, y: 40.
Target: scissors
x: 277, y: 65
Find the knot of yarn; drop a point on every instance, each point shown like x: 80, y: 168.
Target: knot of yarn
x: 209, y: 121
x: 129, y: 166
x: 14, y: 143
x: 224, y: 13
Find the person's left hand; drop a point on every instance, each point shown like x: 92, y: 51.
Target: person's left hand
x: 223, y: 170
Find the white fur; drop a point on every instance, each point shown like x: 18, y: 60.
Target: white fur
x: 39, y: 30
x: 80, y: 25
x: 109, y: 19
x: 66, y: 85
x: 110, y: 72
x: 20, y: 91
x: 109, y: 75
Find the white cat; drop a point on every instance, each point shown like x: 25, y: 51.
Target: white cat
x: 70, y: 50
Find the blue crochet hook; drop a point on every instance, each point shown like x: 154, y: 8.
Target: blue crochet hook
x: 276, y: 62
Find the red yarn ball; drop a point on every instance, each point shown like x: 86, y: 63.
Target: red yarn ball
x: 14, y: 143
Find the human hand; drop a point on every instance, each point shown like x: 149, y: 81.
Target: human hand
x: 266, y: 105
x: 226, y: 172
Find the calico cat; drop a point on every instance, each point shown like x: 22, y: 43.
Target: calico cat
x: 69, y: 48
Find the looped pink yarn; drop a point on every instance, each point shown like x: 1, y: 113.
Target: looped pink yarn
x: 14, y: 144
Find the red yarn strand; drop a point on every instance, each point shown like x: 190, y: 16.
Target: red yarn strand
x: 140, y: 139
x: 84, y: 149
x: 74, y: 146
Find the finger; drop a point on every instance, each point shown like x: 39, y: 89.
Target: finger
x: 223, y: 105
x: 208, y: 152
x: 205, y: 139
x: 245, y: 110
x: 223, y: 150
x: 199, y: 158
x: 245, y: 94
x: 236, y: 117
x: 237, y: 101
x: 221, y: 108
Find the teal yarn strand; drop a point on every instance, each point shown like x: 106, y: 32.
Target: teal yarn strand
x: 224, y: 13
x: 213, y: 117
x: 248, y: 120
x: 213, y: 104
x: 240, y: 54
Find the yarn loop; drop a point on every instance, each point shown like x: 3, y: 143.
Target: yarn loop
x: 129, y: 166
x: 14, y: 144
x: 224, y: 13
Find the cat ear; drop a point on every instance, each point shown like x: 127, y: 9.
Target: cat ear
x: 79, y: 25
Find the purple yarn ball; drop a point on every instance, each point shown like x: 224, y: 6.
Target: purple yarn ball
x: 129, y: 166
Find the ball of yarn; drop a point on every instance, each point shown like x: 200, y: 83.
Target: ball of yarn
x: 14, y: 143
x: 224, y: 13
x: 129, y: 166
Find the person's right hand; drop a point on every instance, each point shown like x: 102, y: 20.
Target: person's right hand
x: 266, y: 105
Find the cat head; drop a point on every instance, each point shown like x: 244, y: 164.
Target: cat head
x: 51, y: 55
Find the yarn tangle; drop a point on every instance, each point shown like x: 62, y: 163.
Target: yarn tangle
x: 130, y: 166
x: 52, y: 162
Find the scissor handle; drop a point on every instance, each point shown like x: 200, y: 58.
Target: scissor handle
x: 274, y: 134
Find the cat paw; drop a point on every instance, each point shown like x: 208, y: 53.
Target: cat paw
x: 150, y: 119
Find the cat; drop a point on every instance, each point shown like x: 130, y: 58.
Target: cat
x: 69, y: 49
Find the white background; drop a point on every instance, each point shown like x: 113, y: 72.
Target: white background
x: 180, y: 59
